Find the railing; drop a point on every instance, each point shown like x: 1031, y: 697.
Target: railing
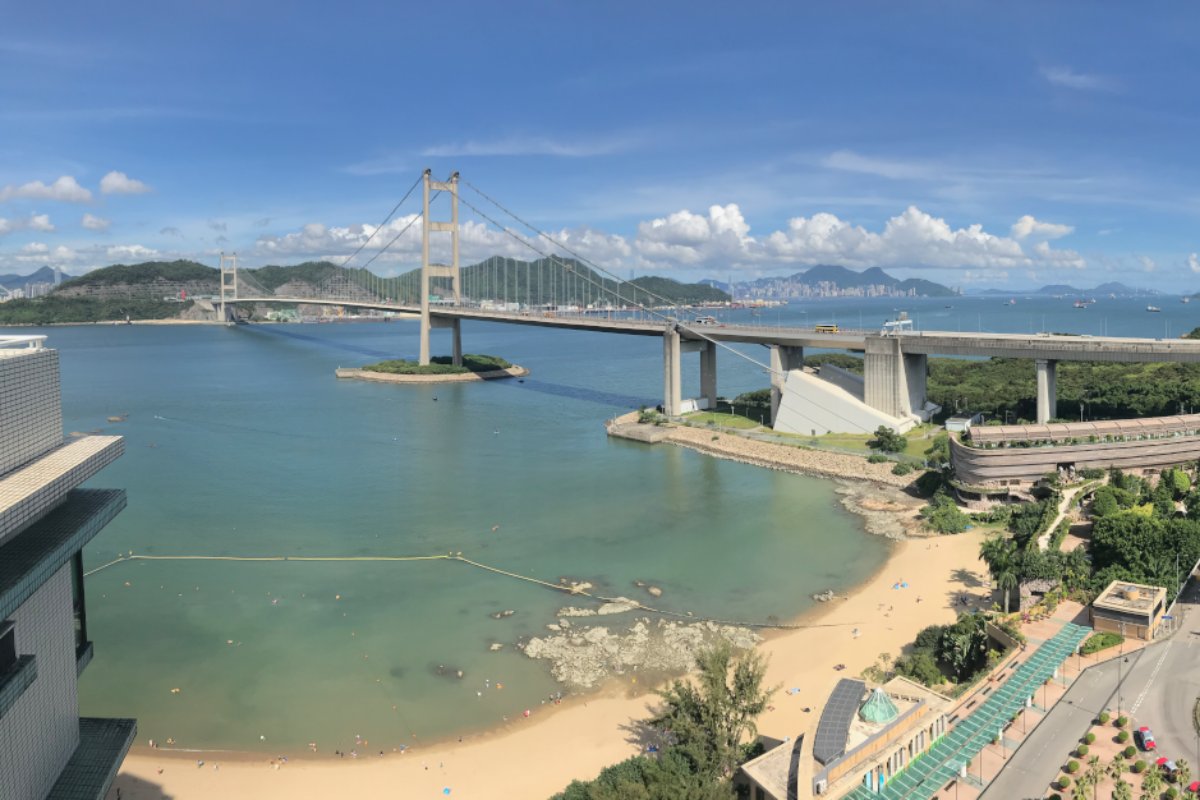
x: 30, y: 342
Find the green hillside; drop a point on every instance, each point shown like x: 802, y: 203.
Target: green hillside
x: 146, y: 272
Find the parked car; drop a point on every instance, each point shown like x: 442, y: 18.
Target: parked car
x: 1168, y: 767
x: 1144, y: 738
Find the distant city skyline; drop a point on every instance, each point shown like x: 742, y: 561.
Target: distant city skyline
x: 976, y: 146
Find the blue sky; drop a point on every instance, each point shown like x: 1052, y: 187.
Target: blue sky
x: 1000, y: 144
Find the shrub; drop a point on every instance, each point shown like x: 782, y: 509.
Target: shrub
x: 1064, y: 782
x: 887, y: 440
x: 1104, y: 717
x: 1100, y: 641
x: 1089, y: 738
x: 1122, y: 721
x: 1139, y: 766
x: 943, y: 515
x: 1122, y: 737
x: 1072, y: 767
x: 1082, y: 750
x: 902, y: 468
x: 1172, y: 793
x: 877, y: 458
x: 1129, y: 752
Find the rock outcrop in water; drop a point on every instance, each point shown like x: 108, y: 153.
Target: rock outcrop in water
x: 582, y: 658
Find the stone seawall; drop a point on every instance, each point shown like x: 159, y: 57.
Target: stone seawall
x: 514, y: 371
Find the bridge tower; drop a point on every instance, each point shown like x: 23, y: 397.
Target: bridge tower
x: 228, y: 282
x: 431, y: 272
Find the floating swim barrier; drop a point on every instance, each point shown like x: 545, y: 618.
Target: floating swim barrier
x: 572, y: 590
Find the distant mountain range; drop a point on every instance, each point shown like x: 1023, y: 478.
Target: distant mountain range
x: 1066, y: 290
x: 43, y: 275
x: 829, y: 280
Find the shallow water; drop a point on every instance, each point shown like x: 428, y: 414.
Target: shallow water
x: 241, y: 442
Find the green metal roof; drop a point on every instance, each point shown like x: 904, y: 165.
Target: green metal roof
x: 878, y: 708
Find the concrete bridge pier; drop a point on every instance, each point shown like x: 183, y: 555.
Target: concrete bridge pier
x: 894, y: 382
x: 455, y: 326
x: 672, y: 391
x: 1047, y: 390
x: 784, y: 359
x: 708, y: 373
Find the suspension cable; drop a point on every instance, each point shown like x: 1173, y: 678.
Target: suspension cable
x: 554, y: 259
x: 386, y: 219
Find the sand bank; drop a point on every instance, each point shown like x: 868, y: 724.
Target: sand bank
x: 535, y: 757
x: 515, y: 371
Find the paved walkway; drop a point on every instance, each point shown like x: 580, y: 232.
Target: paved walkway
x: 943, y: 762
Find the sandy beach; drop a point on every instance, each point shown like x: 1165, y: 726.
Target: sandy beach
x: 535, y: 757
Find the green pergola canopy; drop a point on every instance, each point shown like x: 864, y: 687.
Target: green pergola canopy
x: 878, y: 708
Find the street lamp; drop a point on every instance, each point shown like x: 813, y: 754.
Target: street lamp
x: 1119, y: 680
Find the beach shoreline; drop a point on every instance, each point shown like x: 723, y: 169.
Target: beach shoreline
x: 539, y: 756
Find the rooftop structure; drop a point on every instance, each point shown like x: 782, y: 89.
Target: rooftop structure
x: 1130, y: 609
x: 46, y: 750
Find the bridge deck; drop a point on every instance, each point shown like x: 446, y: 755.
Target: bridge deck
x: 1012, y: 345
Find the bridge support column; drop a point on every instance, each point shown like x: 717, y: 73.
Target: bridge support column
x: 885, y: 384
x: 672, y: 391
x: 916, y: 365
x: 708, y: 374
x: 456, y: 352
x: 1047, y: 390
x: 784, y: 359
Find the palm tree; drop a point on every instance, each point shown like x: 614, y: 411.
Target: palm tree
x: 1079, y: 790
x: 1095, y: 774
x: 1116, y: 768
x: 1000, y: 555
x: 1122, y: 790
x: 1152, y: 784
x: 1184, y: 771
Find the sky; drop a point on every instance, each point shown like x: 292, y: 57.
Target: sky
x: 974, y: 144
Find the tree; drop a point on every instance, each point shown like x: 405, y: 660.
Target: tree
x: 938, y: 453
x: 708, y: 716
x: 1122, y: 790
x: 1184, y: 771
x: 1000, y: 555
x: 1094, y: 774
x: 1152, y: 783
x: 1115, y: 768
x: 887, y: 440
x: 943, y: 515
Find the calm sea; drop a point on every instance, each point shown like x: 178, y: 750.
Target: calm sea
x: 240, y: 441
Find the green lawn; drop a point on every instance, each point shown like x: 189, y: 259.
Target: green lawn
x: 700, y: 418
x: 857, y: 442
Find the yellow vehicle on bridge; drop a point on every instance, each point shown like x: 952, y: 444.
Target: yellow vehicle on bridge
x: 825, y: 328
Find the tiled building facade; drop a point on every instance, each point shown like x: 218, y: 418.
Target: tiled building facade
x: 46, y: 750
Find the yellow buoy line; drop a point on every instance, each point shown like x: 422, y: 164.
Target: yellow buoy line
x: 558, y: 587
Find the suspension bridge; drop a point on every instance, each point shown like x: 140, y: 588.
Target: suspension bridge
x: 561, y: 288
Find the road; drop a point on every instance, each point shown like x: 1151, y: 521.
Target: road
x: 1159, y: 687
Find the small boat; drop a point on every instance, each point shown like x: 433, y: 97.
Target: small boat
x: 1185, y: 299
x: 1011, y: 303
x: 1080, y: 304
x: 1153, y: 308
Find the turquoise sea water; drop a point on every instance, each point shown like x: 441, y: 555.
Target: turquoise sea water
x: 241, y: 442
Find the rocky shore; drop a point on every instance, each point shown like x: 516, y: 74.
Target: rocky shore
x: 347, y: 373
x: 584, y: 657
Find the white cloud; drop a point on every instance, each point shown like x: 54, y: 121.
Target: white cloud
x: 530, y: 146
x: 65, y: 190
x: 34, y: 222
x: 35, y: 248
x: 120, y: 183
x: 40, y: 222
x: 93, y: 223
x: 1070, y: 79
x: 130, y: 251
x: 1148, y: 264
x: 1193, y: 261
x: 719, y: 240
x: 1027, y: 227
x: 849, y: 161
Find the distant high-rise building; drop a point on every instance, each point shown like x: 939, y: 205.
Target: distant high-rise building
x: 46, y: 751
